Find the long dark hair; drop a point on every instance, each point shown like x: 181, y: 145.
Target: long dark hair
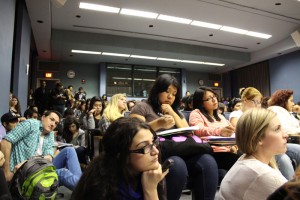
x: 198, y: 103
x: 102, y: 178
x: 67, y: 135
x: 162, y: 84
x: 92, y: 102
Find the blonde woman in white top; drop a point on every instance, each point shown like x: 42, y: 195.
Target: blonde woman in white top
x: 259, y: 135
x: 115, y: 109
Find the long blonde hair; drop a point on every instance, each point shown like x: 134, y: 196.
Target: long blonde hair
x: 111, y: 112
x: 251, y: 128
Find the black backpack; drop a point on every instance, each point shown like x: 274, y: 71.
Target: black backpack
x: 36, y: 179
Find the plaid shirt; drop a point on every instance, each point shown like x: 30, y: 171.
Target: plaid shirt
x: 25, y: 139
x: 104, y: 124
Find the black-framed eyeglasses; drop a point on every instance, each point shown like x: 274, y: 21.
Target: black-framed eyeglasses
x: 211, y: 98
x: 147, y: 148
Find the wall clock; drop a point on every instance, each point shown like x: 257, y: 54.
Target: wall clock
x: 70, y: 74
x: 201, y: 82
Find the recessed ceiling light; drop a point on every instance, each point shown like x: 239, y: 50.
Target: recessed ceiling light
x: 40, y: 21
x: 78, y: 16
x: 174, y: 19
x: 98, y: 7
x: 233, y: 30
x: 277, y: 4
x: 85, y: 52
x: 115, y: 54
x: 138, y: 13
x: 206, y: 25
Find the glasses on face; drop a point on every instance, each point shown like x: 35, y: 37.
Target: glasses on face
x: 256, y: 102
x: 147, y: 148
x: 215, y: 97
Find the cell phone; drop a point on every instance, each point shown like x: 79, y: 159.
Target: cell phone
x: 167, y: 164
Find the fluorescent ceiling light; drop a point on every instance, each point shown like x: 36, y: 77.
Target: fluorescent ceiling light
x: 169, y: 59
x: 121, y: 68
x: 193, y: 62
x: 148, y: 79
x: 121, y: 78
x: 234, y: 30
x: 206, y: 25
x: 86, y: 52
x: 169, y: 72
x: 216, y: 64
x: 138, y: 13
x: 98, y: 7
x: 174, y: 19
x: 115, y: 54
x: 143, y: 57
x: 145, y: 70
x: 260, y: 35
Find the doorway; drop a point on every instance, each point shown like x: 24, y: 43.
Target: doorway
x: 50, y: 83
x: 218, y: 91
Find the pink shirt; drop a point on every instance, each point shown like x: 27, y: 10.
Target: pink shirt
x: 206, y: 127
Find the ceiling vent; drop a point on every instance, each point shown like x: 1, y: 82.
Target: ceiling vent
x: 214, y: 77
x: 48, y: 66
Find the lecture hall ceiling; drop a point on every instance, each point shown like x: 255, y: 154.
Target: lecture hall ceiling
x: 66, y: 27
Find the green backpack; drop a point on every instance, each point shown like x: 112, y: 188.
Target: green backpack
x: 36, y: 179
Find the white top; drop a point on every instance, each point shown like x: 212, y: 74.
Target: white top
x: 250, y: 179
x: 39, y: 150
x: 235, y: 114
x: 288, y: 122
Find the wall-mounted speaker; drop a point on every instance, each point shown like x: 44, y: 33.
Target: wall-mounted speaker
x: 296, y: 37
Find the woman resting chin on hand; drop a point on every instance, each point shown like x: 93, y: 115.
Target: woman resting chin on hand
x: 129, y: 168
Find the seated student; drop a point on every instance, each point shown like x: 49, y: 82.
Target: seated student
x: 9, y: 121
x: 252, y: 98
x: 255, y: 174
x: 76, y: 136
x: 116, y: 108
x: 93, y: 115
x: 211, y: 123
x: 161, y: 112
x: 31, y: 113
x: 36, y: 138
x: 129, y: 168
x: 288, y: 191
x: 234, y: 104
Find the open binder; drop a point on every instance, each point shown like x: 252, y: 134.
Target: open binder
x: 178, y: 131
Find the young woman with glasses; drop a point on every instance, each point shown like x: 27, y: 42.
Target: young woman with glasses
x: 161, y: 113
x: 211, y: 123
x: 251, y: 98
x: 129, y: 168
x: 206, y: 116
